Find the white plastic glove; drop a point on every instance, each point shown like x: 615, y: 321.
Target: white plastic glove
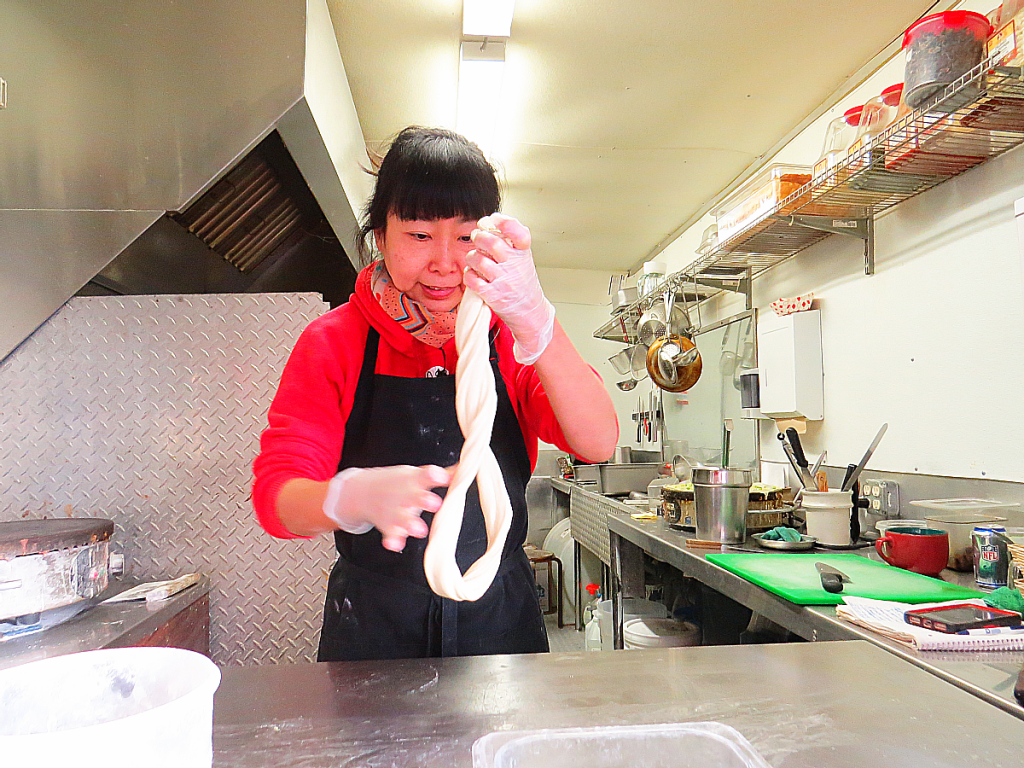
x: 501, y: 270
x: 389, y: 499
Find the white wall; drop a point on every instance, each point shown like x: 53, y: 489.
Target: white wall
x: 930, y: 343
x: 582, y: 304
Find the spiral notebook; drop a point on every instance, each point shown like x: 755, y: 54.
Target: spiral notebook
x: 886, y: 618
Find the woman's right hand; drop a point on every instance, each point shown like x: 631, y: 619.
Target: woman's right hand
x: 390, y: 499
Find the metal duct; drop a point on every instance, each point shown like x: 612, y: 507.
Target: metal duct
x: 128, y: 109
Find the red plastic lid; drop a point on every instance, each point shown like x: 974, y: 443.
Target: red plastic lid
x: 592, y: 589
x: 949, y: 20
x: 853, y: 114
x: 893, y: 94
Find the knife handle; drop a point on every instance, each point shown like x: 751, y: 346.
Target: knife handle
x: 798, y: 449
x: 831, y: 582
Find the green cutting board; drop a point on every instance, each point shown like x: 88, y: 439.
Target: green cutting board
x: 794, y: 577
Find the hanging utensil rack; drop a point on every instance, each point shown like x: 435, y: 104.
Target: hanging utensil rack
x: 976, y: 118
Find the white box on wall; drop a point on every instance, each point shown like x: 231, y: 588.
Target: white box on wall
x: 789, y: 364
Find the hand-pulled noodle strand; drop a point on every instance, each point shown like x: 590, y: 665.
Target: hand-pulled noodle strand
x: 476, y: 402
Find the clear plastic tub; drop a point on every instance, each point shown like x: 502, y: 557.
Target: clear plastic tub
x: 879, y: 114
x: 117, y: 706
x: 759, y: 195
x: 940, y: 49
x: 839, y: 136
x: 672, y: 745
x: 632, y: 608
x: 653, y: 632
x: 958, y: 517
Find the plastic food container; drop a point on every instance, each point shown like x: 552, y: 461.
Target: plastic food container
x: 632, y: 608
x: 653, y: 632
x: 883, y: 525
x: 934, y: 145
x: 652, y: 275
x: 828, y: 516
x: 756, y: 198
x: 681, y: 745
x: 1006, y: 45
x: 878, y: 114
x: 117, y: 706
x: 958, y: 517
x: 940, y: 49
x: 839, y: 136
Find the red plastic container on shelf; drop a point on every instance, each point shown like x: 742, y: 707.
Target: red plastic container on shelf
x: 940, y: 49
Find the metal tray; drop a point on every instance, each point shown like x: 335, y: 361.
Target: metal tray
x: 806, y: 542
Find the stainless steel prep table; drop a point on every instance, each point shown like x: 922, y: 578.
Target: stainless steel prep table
x: 990, y: 675
x: 114, y: 625
x: 802, y: 705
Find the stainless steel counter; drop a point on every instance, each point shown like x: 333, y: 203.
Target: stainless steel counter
x: 802, y: 705
x: 112, y: 625
x: 990, y: 675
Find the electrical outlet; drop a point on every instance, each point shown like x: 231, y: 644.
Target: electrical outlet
x: 883, y: 496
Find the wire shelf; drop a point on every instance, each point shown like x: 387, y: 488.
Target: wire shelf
x: 976, y: 118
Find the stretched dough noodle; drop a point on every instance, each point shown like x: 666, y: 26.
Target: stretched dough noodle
x: 476, y: 401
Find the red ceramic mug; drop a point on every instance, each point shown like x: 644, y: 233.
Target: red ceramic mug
x: 921, y: 550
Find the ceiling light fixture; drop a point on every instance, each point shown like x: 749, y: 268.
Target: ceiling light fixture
x: 481, y: 70
x: 487, y: 18
x: 486, y: 25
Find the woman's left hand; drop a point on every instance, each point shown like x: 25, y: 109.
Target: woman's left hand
x: 501, y: 270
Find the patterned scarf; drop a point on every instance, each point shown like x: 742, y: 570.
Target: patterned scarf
x: 430, y: 328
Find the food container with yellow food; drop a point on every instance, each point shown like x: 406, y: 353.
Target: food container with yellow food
x: 766, y: 508
x: 759, y: 196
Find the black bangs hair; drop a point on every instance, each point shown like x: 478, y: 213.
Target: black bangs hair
x: 429, y: 174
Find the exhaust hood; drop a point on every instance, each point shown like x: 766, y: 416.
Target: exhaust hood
x: 133, y: 117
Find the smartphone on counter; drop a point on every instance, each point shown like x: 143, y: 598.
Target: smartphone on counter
x: 957, y: 618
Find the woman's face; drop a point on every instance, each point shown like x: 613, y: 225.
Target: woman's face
x: 426, y: 258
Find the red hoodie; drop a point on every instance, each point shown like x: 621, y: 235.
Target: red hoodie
x: 308, y: 415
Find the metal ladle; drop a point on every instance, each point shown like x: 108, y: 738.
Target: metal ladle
x: 626, y: 385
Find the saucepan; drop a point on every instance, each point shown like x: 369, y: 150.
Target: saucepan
x: 674, y: 363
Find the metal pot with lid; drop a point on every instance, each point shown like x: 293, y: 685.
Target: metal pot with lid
x: 50, y: 570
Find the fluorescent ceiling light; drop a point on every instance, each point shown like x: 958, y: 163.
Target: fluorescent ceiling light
x: 481, y: 70
x: 487, y: 18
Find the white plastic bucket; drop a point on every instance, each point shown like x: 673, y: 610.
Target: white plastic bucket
x: 828, y: 515
x: 118, y: 706
x: 632, y: 608
x: 652, y: 632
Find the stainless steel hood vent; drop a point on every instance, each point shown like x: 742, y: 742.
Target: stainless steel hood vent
x: 129, y: 109
x: 245, y: 216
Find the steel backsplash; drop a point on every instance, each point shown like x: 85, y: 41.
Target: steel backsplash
x: 147, y: 411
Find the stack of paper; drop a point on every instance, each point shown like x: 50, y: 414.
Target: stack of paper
x: 886, y: 618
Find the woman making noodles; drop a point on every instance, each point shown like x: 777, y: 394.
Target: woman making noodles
x: 436, y: 379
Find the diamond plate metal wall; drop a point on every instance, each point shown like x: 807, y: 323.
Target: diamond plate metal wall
x: 588, y: 516
x: 147, y: 410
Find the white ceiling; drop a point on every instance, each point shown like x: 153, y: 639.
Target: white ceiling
x: 621, y: 118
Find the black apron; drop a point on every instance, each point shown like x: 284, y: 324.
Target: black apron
x: 379, y: 605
